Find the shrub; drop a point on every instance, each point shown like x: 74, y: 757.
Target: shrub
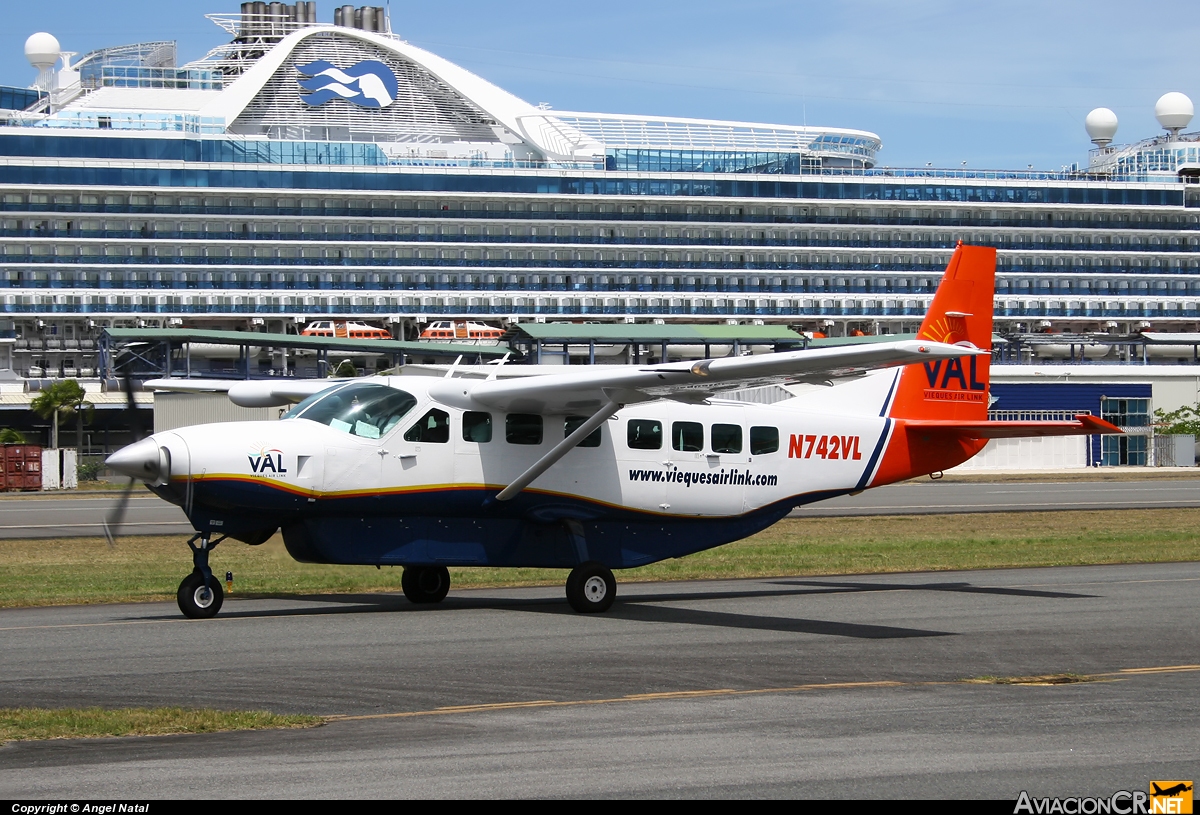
x: 89, y: 470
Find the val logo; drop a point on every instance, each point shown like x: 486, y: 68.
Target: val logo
x: 951, y: 381
x: 267, y: 461
x: 368, y: 84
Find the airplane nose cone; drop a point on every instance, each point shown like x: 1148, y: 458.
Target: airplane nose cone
x: 143, y: 460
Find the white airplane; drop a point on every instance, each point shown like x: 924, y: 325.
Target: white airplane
x: 591, y: 469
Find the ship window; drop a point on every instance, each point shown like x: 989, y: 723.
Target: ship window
x: 523, y: 428
x: 477, y: 426
x: 645, y: 434
x: 365, y: 410
x: 573, y: 423
x: 764, y: 440
x: 434, y: 427
x: 687, y: 437
x: 726, y: 438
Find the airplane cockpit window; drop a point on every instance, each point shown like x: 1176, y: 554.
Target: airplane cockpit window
x: 365, y: 410
x: 434, y: 427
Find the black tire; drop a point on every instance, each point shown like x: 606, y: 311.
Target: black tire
x: 194, y: 602
x: 425, y: 584
x: 591, y: 588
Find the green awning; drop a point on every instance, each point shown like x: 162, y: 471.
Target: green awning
x: 178, y: 336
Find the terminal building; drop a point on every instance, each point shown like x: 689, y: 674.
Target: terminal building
x: 323, y: 168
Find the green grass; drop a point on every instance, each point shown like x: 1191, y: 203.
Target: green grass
x: 18, y: 724
x: 85, y: 570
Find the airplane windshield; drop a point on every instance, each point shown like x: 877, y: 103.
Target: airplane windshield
x: 365, y: 410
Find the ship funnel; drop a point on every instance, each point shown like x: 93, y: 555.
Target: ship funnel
x: 366, y: 18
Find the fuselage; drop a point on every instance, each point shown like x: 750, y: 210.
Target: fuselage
x: 379, y: 471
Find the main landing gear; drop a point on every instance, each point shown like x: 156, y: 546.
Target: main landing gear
x: 200, y: 594
x: 591, y: 588
x: 425, y: 584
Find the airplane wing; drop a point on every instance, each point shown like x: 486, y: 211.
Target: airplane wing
x: 586, y: 391
x: 249, y: 393
x: 1082, y: 426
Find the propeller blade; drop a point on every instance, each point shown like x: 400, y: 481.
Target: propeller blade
x: 116, y: 514
x: 131, y: 408
x: 112, y: 523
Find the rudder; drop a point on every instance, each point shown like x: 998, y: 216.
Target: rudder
x: 955, y: 389
x: 961, y: 312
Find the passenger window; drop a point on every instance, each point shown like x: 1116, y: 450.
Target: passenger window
x: 477, y: 427
x: 764, y: 440
x: 523, y: 428
x: 573, y: 423
x: 726, y: 438
x: 645, y: 434
x: 687, y: 437
x: 434, y: 427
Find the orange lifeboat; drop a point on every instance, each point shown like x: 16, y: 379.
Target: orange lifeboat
x: 344, y: 329
x: 463, y: 332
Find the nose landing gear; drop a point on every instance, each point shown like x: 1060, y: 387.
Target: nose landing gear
x: 200, y: 594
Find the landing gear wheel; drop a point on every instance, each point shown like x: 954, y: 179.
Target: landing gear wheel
x: 591, y: 588
x: 425, y: 584
x: 196, y: 601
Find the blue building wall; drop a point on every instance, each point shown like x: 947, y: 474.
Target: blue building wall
x: 1064, y: 396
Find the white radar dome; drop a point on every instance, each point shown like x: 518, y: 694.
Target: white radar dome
x: 1101, y: 126
x: 42, y: 50
x: 1173, y: 111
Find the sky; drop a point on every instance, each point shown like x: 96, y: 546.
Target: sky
x: 997, y: 85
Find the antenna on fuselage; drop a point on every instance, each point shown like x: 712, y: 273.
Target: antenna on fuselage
x: 453, y: 368
x: 498, y: 363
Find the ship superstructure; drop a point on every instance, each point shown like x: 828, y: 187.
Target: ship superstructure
x: 314, y: 170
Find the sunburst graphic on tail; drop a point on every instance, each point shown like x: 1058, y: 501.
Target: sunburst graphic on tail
x: 950, y: 328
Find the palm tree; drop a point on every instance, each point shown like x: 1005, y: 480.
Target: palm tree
x: 63, y: 399
x: 10, y: 436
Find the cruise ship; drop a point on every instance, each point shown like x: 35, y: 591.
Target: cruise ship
x: 328, y: 169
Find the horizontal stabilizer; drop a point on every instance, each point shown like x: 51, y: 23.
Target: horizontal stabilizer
x: 1083, y: 425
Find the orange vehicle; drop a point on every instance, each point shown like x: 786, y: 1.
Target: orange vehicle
x: 462, y: 332
x: 339, y: 328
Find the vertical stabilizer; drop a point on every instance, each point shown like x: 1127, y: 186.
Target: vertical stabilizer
x: 951, y: 390
x: 961, y: 312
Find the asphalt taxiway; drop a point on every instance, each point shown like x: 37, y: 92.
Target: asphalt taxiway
x: 929, y: 497
x: 844, y: 687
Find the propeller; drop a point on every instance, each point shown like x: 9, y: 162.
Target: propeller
x: 125, y: 461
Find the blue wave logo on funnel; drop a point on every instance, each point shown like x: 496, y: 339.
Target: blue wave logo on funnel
x: 368, y: 84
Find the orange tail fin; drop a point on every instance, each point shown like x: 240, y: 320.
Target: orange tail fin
x: 961, y: 311
x: 946, y: 390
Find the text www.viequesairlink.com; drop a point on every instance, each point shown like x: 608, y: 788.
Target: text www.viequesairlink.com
x: 733, y: 477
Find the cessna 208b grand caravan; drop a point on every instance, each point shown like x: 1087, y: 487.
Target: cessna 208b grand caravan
x: 595, y: 469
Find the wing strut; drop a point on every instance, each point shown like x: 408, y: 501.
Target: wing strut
x: 561, y: 449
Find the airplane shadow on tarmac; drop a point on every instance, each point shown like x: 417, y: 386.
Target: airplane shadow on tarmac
x: 832, y: 587
x: 643, y: 606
